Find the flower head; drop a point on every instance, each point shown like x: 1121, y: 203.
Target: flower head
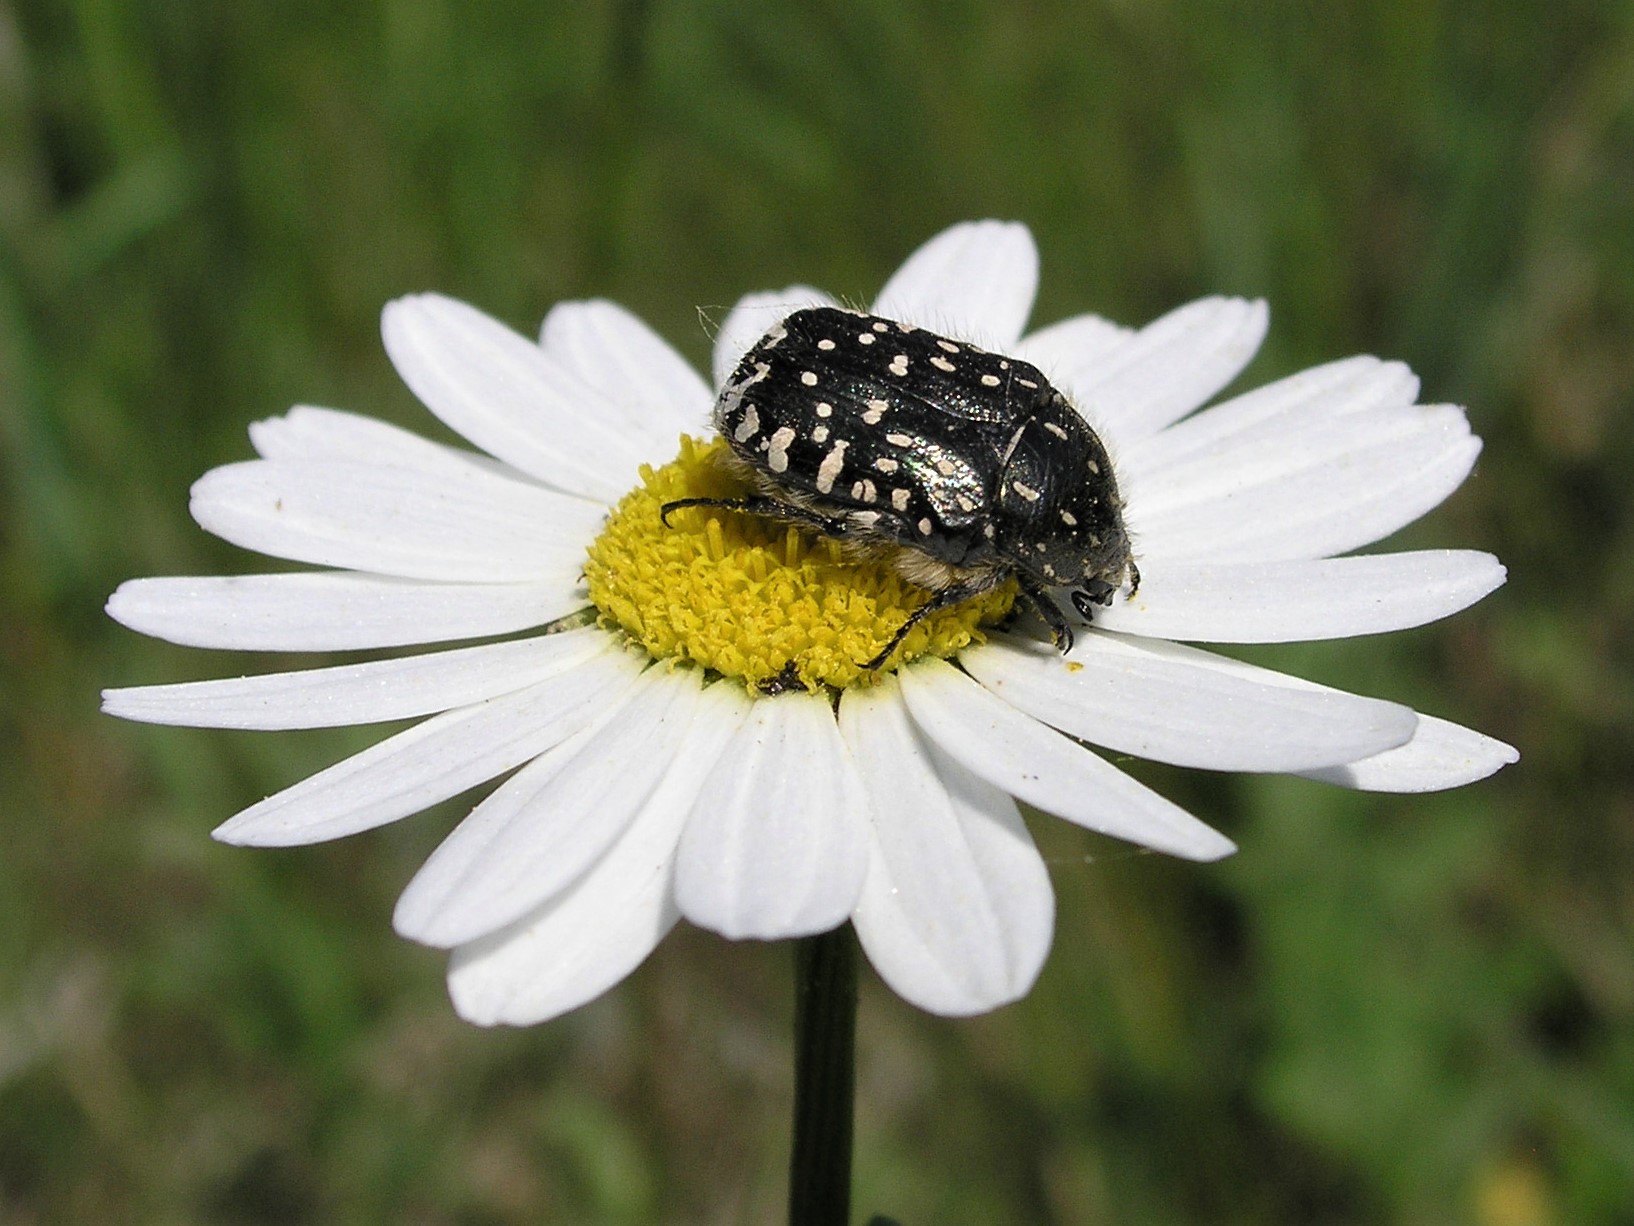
x: 689, y: 728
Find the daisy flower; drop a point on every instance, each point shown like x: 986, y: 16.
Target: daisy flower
x: 679, y: 707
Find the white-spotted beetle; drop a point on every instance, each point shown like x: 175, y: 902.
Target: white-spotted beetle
x: 962, y: 466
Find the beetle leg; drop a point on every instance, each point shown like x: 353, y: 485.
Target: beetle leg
x: 943, y: 599
x: 1095, y: 593
x: 1099, y: 592
x: 1048, y: 612
x: 788, y: 679
x: 731, y: 504
x: 769, y: 507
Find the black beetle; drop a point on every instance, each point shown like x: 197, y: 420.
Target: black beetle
x: 963, y: 466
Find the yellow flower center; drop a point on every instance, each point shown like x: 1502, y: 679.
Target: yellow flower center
x: 748, y: 596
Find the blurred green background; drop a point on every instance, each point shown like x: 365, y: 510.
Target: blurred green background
x: 1384, y: 1009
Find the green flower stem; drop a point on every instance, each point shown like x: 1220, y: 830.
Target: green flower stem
x: 825, y: 1027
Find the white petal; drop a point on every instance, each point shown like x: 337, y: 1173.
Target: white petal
x: 975, y: 280
x: 550, y: 821
x: 957, y: 911
x: 333, y: 612
x: 602, y: 927
x: 752, y: 318
x: 1266, y: 416
x: 572, y: 949
x: 1285, y: 450
x: 1169, y: 368
x: 482, y: 528
x: 1034, y: 763
x: 1308, y: 496
x: 1440, y: 755
x: 438, y: 758
x: 359, y: 693
x: 1074, y: 351
x: 1287, y: 602
x: 657, y: 394
x: 776, y: 845
x: 1175, y: 704
x: 501, y: 392
x: 307, y: 432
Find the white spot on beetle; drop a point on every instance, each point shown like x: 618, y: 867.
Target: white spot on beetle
x: 946, y: 467
x: 874, y: 411
x: 824, y: 408
x: 965, y: 504
x: 990, y: 380
x: 832, y: 463
x: 946, y: 346
x: 899, y: 365
x: 865, y: 338
x: 881, y: 326
x: 777, y: 459
x: 825, y: 344
x: 899, y: 499
x: 942, y: 363
x: 924, y: 527
x: 1026, y: 491
x: 749, y: 426
x: 1055, y: 429
x: 1094, y: 468
x: 1069, y: 519
x: 819, y: 434
x: 885, y: 464
x: 809, y: 378
x: 899, y: 440
x: 1028, y: 383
